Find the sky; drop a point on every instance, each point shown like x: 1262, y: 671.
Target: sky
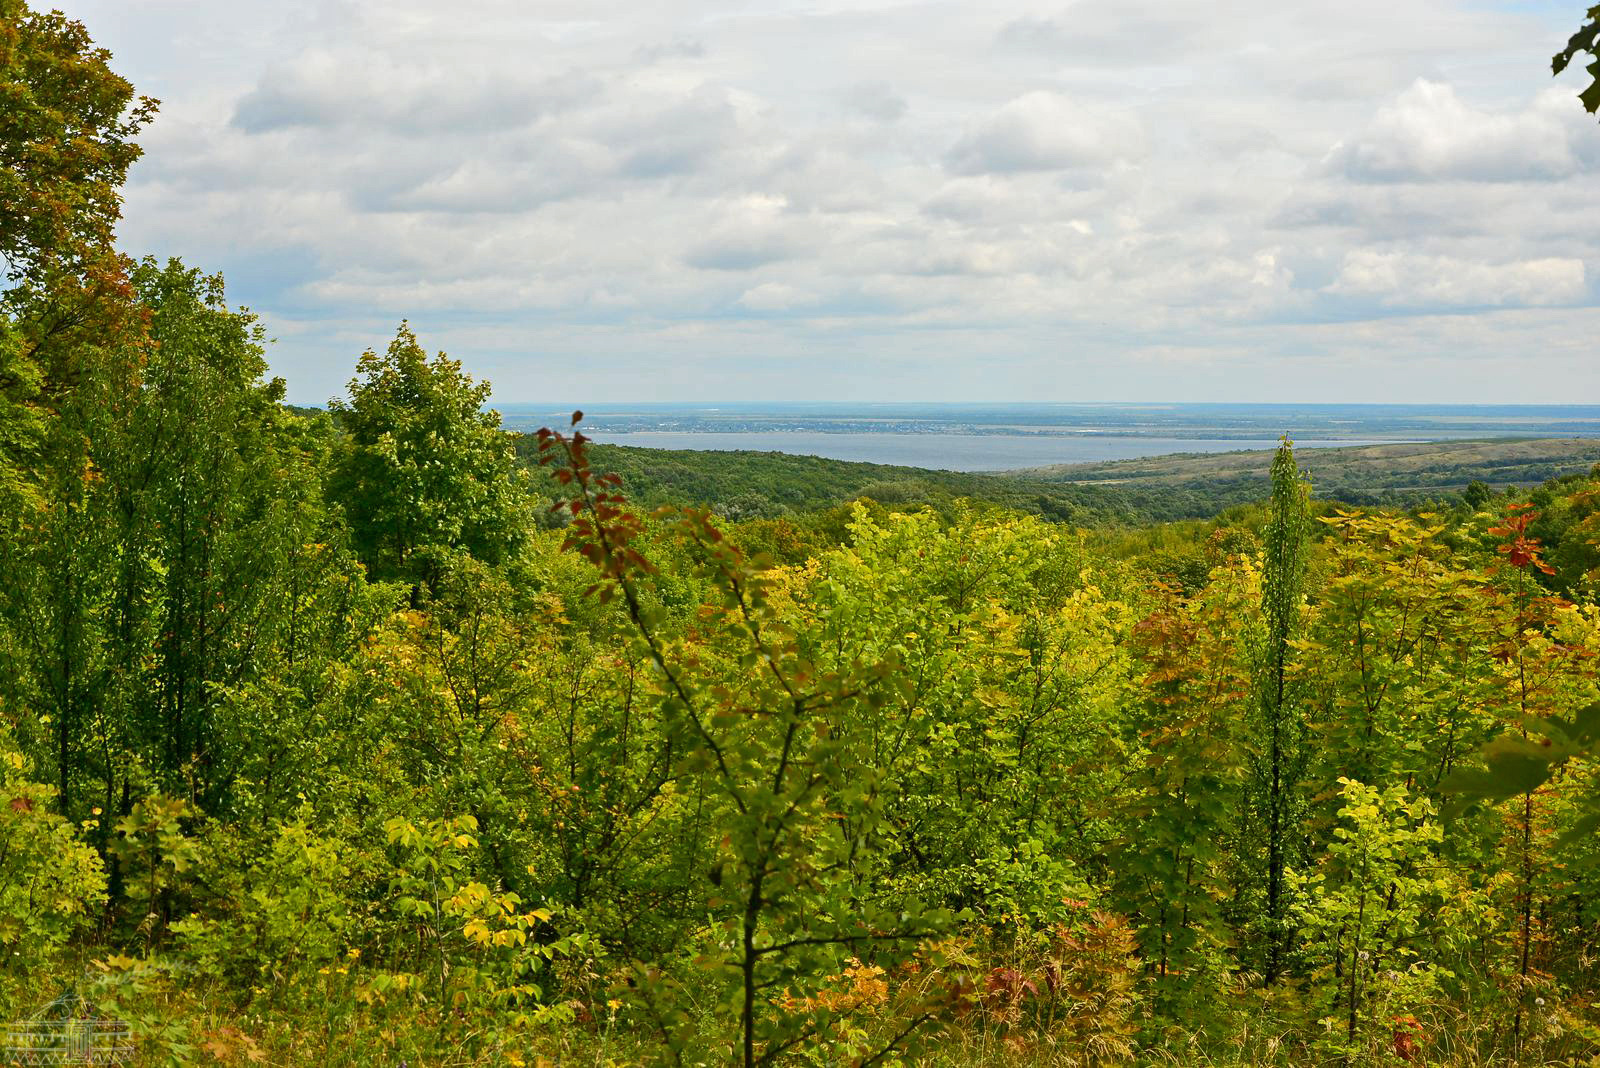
x: 885, y: 200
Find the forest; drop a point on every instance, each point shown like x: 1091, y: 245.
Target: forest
x: 741, y: 484
x: 381, y: 736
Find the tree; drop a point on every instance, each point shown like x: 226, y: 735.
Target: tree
x: 1172, y: 868
x: 781, y: 743
x: 1364, y: 906
x: 1587, y: 39
x: 1477, y: 494
x: 424, y: 469
x: 1280, y: 760
x: 1401, y: 641
x: 66, y: 128
x: 180, y: 531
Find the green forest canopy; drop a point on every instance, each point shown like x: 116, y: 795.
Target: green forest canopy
x: 355, y: 741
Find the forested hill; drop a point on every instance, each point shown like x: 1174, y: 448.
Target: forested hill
x: 764, y: 485
x: 751, y: 485
x: 1360, y: 474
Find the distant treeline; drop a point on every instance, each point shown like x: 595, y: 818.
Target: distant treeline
x: 768, y: 485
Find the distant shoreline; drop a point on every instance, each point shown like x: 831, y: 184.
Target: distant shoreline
x: 977, y: 437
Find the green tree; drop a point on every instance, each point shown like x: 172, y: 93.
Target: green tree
x: 1401, y: 689
x: 66, y: 128
x: 1279, y: 762
x: 81, y: 360
x: 780, y: 743
x: 179, y: 537
x: 424, y: 469
x: 1014, y: 670
x: 1363, y: 908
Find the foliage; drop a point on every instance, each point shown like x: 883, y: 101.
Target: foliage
x: 1363, y: 909
x: 779, y: 738
x: 275, y: 916
x: 1279, y: 723
x: 50, y: 880
x: 1583, y: 41
x: 354, y: 759
x: 66, y: 129
x: 422, y: 468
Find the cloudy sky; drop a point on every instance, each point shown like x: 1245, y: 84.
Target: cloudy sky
x: 1032, y: 200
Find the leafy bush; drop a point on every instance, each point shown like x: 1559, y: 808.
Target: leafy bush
x: 51, y: 881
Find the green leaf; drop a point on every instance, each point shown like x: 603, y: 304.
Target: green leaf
x: 1585, y: 826
x: 1513, y: 766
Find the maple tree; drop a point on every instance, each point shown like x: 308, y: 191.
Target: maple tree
x: 67, y: 124
x: 1585, y: 39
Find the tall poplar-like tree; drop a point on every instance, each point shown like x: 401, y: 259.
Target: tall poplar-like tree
x: 1279, y: 759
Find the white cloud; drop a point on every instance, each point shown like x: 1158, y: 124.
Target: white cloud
x: 361, y: 90
x: 876, y: 100
x: 774, y: 297
x: 1019, y: 199
x: 1411, y: 280
x: 1046, y: 131
x: 1115, y: 32
x: 1428, y: 133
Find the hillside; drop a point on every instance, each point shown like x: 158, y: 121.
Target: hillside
x: 749, y: 485
x: 744, y: 485
x: 1361, y: 474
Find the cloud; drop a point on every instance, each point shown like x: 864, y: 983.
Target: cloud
x: 1044, y: 131
x: 1401, y: 279
x: 681, y: 48
x: 555, y: 171
x: 1015, y: 199
x: 1112, y: 32
x: 1428, y: 134
x: 774, y: 297
x: 364, y: 90
x: 875, y: 100
x: 740, y: 253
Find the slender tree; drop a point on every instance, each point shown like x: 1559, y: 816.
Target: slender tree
x: 1280, y: 759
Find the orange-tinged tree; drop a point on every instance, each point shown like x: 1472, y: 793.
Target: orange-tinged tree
x: 67, y: 123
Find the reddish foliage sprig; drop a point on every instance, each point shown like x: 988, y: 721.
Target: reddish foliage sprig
x: 1520, y: 549
x: 602, y: 529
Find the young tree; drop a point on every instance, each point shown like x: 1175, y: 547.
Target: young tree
x: 1183, y: 820
x: 781, y: 743
x: 1279, y: 762
x: 424, y: 469
x: 1401, y: 690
